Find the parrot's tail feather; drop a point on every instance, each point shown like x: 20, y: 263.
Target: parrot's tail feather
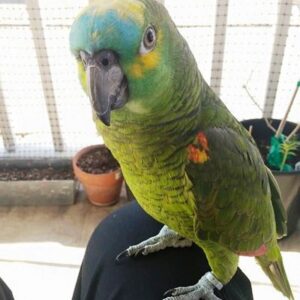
x: 274, y: 269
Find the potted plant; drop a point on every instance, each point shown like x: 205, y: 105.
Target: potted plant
x: 99, y: 173
x: 279, y: 144
x: 36, y: 182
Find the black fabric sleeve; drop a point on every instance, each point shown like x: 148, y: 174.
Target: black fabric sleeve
x: 143, y: 277
x: 5, y: 292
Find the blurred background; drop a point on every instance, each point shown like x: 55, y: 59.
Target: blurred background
x: 248, y: 51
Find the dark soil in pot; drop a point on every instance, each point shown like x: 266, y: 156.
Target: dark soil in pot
x: 41, y: 173
x: 98, y: 161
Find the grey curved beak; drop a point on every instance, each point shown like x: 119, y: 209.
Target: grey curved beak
x: 107, y: 84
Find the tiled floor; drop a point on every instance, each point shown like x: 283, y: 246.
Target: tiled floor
x: 41, y: 249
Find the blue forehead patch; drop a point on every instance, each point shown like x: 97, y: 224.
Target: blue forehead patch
x: 92, y: 32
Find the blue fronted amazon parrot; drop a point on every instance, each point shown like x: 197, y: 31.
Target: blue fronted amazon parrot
x: 188, y: 161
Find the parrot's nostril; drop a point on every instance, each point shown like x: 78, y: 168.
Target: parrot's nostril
x: 105, y: 62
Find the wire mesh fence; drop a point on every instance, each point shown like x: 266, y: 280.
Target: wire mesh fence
x: 245, y: 49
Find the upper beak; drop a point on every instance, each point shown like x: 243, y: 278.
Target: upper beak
x: 107, y: 84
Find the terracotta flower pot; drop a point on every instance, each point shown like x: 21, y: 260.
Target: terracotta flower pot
x: 101, y: 189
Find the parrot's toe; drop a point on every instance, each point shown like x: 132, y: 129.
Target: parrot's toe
x: 122, y: 255
x: 165, y: 238
x: 204, y: 289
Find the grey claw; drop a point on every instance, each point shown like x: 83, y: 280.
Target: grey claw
x: 121, y: 256
x: 169, y: 293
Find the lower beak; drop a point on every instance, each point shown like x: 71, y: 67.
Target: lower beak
x: 108, y: 88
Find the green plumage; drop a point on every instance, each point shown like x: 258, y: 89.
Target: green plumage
x: 228, y: 203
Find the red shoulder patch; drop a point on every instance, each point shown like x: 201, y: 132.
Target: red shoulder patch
x: 198, y: 151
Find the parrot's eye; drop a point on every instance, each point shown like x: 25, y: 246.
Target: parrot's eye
x: 149, y: 40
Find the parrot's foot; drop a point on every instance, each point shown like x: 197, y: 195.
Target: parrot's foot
x: 165, y: 238
x: 204, y: 289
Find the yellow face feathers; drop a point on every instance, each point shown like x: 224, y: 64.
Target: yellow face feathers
x: 144, y: 63
x: 125, y: 9
x: 82, y: 75
x: 137, y: 107
x: 95, y: 35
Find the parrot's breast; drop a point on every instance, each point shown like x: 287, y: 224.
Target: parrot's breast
x: 161, y: 189
x: 154, y: 169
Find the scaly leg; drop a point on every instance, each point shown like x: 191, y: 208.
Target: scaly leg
x: 165, y: 238
x: 224, y: 265
x: 203, y: 289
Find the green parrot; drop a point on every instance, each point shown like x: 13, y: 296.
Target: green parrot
x: 188, y: 161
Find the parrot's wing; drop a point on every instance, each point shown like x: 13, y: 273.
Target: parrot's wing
x: 231, y: 189
x: 279, y: 211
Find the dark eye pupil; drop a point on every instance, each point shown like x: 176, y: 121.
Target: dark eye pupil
x: 150, y: 36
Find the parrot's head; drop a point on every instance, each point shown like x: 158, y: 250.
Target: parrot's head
x: 128, y: 52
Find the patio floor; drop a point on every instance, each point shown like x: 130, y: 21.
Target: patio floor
x: 41, y: 249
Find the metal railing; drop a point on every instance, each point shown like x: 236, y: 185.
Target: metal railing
x: 219, y: 29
